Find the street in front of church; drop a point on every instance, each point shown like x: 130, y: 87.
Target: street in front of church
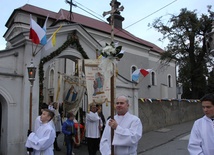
x: 171, y: 140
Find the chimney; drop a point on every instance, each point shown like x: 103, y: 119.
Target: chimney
x: 118, y: 19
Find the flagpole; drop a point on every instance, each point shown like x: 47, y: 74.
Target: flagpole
x: 140, y: 81
x: 35, y: 50
x: 38, y: 50
x: 32, y: 49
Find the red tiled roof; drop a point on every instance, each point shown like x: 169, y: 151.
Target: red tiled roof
x: 88, y: 22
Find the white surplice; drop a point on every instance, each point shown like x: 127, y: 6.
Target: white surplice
x: 92, y: 125
x: 42, y: 140
x: 201, y: 140
x: 126, y: 136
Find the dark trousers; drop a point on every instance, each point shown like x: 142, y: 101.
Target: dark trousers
x: 93, y: 145
x: 69, y: 144
x: 55, y: 142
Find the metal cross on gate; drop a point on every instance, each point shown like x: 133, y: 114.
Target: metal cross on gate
x: 114, y: 8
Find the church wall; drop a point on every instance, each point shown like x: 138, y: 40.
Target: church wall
x: 20, y: 90
x: 88, y: 46
x: 160, y: 114
x: 12, y: 80
x: 21, y: 18
x: 165, y: 113
x: 129, y: 59
x: 143, y: 58
x: 162, y: 73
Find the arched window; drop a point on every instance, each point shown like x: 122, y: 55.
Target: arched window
x: 51, y: 79
x: 133, y: 68
x: 169, y: 80
x: 153, y: 78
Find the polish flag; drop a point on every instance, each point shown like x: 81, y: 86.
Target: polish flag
x: 44, y: 39
x: 36, y: 32
x: 136, y: 73
x: 145, y: 72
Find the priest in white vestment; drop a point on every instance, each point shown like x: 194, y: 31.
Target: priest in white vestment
x: 201, y: 140
x: 41, y: 141
x: 127, y: 131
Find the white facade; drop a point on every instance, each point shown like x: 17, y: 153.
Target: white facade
x: 15, y: 87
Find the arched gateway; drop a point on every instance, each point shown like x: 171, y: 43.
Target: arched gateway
x: 6, y: 100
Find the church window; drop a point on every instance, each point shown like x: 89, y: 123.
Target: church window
x: 133, y: 68
x: 169, y: 80
x: 40, y: 21
x: 153, y: 78
x: 51, y: 79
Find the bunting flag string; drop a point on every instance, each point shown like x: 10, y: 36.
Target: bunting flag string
x: 160, y: 100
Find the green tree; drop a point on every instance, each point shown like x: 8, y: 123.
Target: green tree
x: 210, y: 82
x: 187, y: 33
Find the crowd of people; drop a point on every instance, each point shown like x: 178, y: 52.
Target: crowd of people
x: 95, y: 130
x: 127, y: 130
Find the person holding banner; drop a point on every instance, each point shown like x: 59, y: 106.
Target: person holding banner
x: 127, y: 131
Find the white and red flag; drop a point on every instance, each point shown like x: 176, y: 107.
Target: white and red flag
x: 36, y: 32
x: 136, y: 73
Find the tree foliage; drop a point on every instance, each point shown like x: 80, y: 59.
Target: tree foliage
x: 187, y: 33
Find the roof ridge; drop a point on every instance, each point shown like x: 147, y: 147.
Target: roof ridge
x: 90, y: 22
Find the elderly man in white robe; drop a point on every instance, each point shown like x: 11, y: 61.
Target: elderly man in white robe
x: 201, y: 140
x: 127, y: 131
x: 41, y: 141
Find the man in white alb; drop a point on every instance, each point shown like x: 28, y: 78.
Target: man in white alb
x: 201, y: 140
x: 93, y: 127
x: 127, y: 131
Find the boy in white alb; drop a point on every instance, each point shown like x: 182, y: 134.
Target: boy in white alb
x: 41, y: 141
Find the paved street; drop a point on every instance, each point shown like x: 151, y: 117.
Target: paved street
x: 81, y: 150
x: 171, y: 140
x: 177, y: 146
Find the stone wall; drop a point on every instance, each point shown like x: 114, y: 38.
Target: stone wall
x: 158, y: 114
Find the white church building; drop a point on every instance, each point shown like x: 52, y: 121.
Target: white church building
x: 79, y: 38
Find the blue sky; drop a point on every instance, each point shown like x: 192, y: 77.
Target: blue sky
x: 134, y: 11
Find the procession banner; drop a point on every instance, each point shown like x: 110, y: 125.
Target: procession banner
x: 74, y: 88
x: 98, y: 87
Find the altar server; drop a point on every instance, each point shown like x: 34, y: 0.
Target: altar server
x: 201, y: 140
x: 127, y: 131
x: 41, y: 141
